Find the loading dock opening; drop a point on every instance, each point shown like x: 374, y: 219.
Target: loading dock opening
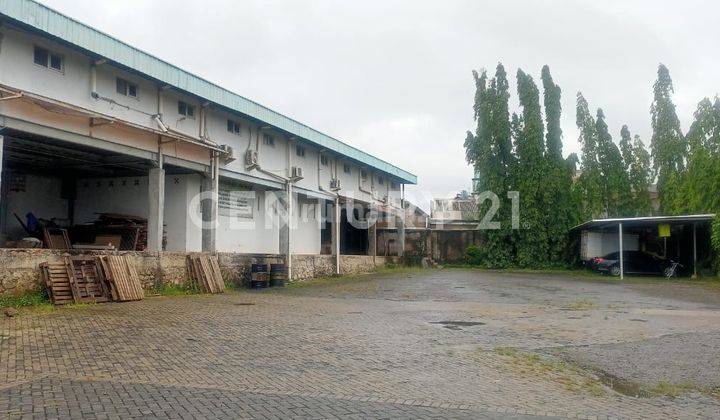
x: 683, y: 239
x: 67, y: 185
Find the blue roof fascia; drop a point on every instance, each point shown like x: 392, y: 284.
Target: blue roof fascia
x: 51, y: 22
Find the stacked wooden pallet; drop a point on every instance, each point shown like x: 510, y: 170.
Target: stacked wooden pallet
x: 81, y: 279
x: 204, y: 271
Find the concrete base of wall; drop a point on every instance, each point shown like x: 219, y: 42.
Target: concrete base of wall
x: 19, y: 268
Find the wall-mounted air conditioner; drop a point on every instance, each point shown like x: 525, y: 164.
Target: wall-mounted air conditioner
x: 296, y: 173
x: 251, y: 158
x: 228, y: 153
x: 335, y: 184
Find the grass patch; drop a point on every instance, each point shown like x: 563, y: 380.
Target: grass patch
x: 572, y: 377
x: 582, y: 305
x: 346, y: 278
x: 24, y: 300
x: 668, y: 389
x: 176, y: 290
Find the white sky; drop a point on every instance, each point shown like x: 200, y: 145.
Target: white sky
x: 394, y: 77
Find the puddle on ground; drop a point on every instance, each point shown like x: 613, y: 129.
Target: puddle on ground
x: 639, y: 320
x: 243, y: 304
x: 354, y: 312
x: 455, y: 325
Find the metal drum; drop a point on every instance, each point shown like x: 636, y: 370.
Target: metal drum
x: 278, y: 275
x: 259, y: 277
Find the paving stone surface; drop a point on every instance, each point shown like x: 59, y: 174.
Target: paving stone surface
x: 422, y: 344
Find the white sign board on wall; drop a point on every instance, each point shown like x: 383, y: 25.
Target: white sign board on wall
x: 236, y: 204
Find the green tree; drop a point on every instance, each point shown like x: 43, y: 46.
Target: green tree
x: 668, y: 145
x: 641, y: 178
x: 614, y: 182
x: 532, y: 244
x: 490, y: 152
x: 588, y: 188
x: 559, y: 174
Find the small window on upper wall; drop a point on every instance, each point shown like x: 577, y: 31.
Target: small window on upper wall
x: 186, y: 109
x: 324, y: 160
x: 46, y: 58
x: 233, y: 127
x: 363, y: 175
x: 126, y: 88
x: 394, y: 185
x: 300, y: 151
x: 346, y: 169
x: 268, y: 140
x: 381, y: 181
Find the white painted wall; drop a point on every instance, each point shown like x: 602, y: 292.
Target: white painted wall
x: 41, y: 197
x: 260, y: 234
x: 306, y: 225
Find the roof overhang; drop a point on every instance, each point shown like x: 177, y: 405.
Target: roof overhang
x: 48, y: 21
x: 644, y: 221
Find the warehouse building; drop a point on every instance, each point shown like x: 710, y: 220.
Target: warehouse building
x: 92, y: 127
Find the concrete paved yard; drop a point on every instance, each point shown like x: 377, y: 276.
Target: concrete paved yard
x: 420, y: 344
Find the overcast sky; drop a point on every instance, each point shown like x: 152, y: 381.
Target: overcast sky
x: 394, y: 77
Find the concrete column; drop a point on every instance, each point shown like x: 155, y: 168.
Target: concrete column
x: 3, y: 189
x: 285, y: 231
x: 372, y: 239
x: 335, y: 233
x: 209, y: 209
x: 622, y: 261
x: 401, y: 235
x: 156, y: 208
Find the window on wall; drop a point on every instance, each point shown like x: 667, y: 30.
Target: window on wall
x: 186, y: 109
x: 346, y: 169
x: 363, y: 175
x: 300, y: 151
x: 46, y: 58
x: 233, y: 127
x: 324, y: 160
x: 394, y: 185
x: 268, y: 140
x: 381, y: 181
x: 126, y: 88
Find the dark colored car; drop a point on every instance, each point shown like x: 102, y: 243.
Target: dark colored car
x: 634, y: 262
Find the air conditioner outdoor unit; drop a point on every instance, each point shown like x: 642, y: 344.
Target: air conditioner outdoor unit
x: 296, y: 173
x: 229, y: 153
x: 335, y: 184
x: 251, y: 158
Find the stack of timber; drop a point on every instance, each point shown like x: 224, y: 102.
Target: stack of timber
x: 86, y: 279
x: 204, y: 271
x: 132, y: 229
x: 122, y: 278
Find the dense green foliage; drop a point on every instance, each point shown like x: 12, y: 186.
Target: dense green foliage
x: 523, y: 152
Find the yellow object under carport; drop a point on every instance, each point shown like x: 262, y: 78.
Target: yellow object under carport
x: 664, y: 230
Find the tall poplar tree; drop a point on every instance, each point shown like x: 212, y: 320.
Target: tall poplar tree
x: 614, y: 181
x: 588, y: 186
x: 490, y: 152
x: 558, y: 179
x: 532, y: 245
x: 636, y: 161
x: 668, y: 145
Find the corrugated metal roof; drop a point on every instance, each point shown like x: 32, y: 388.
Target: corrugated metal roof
x: 49, y: 21
x: 648, y: 220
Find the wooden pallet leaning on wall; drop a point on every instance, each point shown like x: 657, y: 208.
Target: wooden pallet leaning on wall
x: 122, y: 278
x: 56, y: 276
x: 204, y: 270
x: 88, y: 284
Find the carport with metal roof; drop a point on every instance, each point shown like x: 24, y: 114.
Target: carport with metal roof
x: 684, y: 238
